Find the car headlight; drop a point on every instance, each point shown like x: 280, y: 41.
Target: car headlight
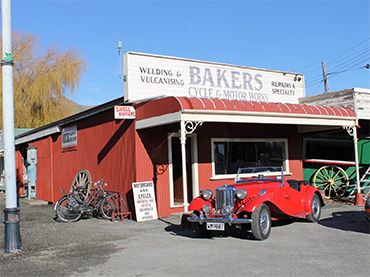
x: 206, y: 209
x: 241, y: 193
x: 206, y: 194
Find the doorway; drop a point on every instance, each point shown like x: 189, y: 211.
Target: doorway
x: 175, y: 165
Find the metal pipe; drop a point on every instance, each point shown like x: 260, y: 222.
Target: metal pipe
x: 355, y: 141
x: 12, y: 241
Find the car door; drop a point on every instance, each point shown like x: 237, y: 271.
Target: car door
x: 291, y: 200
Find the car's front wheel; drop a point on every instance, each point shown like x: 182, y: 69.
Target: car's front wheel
x: 315, y: 214
x: 261, y: 222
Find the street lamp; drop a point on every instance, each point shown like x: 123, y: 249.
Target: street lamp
x: 12, y: 237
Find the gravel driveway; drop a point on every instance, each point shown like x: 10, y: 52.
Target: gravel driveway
x: 339, y: 245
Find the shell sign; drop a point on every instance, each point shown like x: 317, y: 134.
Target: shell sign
x: 148, y: 76
x: 124, y: 112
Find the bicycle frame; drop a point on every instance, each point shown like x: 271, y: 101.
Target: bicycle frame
x: 92, y: 202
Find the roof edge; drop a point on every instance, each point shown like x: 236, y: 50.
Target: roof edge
x: 75, y: 117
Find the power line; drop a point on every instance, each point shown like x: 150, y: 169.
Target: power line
x: 348, y: 70
x: 360, y: 55
x: 335, y: 74
x: 347, y: 60
x: 334, y: 55
x: 338, y: 60
x: 343, y: 67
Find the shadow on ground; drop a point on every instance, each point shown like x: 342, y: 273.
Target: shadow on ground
x: 51, y: 248
x: 244, y: 232
x: 353, y: 221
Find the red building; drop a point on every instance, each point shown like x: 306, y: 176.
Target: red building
x: 182, y: 144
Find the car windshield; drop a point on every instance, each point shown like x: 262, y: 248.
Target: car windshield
x: 262, y: 173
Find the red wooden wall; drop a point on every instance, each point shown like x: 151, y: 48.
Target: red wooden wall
x: 105, y: 148
x: 44, y: 182
x: 115, y: 151
x: 152, y: 164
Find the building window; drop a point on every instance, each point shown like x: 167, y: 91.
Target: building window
x: 329, y: 149
x: 228, y: 155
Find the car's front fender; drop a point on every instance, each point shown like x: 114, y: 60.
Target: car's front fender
x: 198, y: 203
x: 252, y: 204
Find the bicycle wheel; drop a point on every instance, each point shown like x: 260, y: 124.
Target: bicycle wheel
x: 63, y: 211
x: 110, y: 204
x: 81, y: 183
x: 332, y: 180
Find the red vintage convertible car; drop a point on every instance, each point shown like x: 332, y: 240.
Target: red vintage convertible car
x: 253, y: 201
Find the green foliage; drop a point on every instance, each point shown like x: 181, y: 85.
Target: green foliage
x: 40, y: 82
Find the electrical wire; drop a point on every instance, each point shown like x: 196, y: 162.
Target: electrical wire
x: 334, y: 55
x: 363, y: 54
x: 335, y: 74
x: 347, y: 66
x: 354, y: 57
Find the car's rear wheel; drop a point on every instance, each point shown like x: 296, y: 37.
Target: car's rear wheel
x: 315, y: 214
x: 261, y: 222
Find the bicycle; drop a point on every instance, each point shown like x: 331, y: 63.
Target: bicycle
x: 95, y: 201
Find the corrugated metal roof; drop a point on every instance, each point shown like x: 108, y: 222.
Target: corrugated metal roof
x: 180, y: 104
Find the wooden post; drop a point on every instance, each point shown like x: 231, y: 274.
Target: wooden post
x: 325, y: 78
x: 183, y: 159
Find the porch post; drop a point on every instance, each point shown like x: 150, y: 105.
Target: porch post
x: 183, y: 162
x: 355, y: 142
x: 352, y: 131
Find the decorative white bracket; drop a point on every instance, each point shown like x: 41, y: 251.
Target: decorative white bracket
x: 350, y: 130
x: 190, y: 126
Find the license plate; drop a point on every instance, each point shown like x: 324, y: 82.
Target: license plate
x: 215, y: 226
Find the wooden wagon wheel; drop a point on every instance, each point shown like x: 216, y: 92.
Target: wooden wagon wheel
x: 332, y: 180
x: 82, y: 183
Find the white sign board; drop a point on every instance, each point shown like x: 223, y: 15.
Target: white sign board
x: 144, y: 198
x: 69, y: 137
x: 150, y: 76
x: 124, y: 112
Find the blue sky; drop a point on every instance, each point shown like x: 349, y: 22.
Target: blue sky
x: 281, y: 35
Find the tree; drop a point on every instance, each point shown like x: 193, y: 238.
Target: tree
x: 40, y: 82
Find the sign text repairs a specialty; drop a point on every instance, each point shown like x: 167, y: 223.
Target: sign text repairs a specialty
x: 150, y: 76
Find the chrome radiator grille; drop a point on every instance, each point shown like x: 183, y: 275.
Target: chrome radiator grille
x: 225, y: 196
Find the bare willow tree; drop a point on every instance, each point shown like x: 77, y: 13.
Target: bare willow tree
x: 40, y: 82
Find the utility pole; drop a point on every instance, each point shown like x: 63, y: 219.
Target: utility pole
x: 324, y: 75
x: 120, y: 64
x: 12, y: 236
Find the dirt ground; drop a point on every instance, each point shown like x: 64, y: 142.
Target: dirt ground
x: 339, y: 245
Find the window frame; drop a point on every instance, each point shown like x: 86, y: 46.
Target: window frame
x: 232, y: 176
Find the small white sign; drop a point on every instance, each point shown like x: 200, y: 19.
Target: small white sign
x: 69, y: 137
x: 124, y: 112
x: 144, y: 198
